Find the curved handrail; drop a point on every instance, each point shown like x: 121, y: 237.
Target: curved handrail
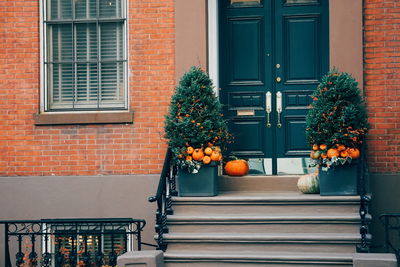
x: 363, y: 178
x: 165, y: 190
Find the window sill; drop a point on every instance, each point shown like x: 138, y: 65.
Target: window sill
x: 83, y: 118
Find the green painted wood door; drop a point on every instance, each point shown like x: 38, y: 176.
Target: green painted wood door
x: 272, y: 56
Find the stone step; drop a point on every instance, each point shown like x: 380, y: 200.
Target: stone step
x: 273, y: 183
x: 257, y: 203
x: 260, y: 242
x: 278, y: 259
x: 264, y: 223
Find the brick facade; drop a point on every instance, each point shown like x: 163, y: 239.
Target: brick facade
x: 382, y: 83
x: 27, y: 149
x: 138, y: 148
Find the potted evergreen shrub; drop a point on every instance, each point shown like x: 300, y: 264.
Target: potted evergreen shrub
x: 336, y: 127
x: 196, y: 133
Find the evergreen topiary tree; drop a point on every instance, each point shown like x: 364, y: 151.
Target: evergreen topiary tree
x: 195, y: 122
x: 337, y: 119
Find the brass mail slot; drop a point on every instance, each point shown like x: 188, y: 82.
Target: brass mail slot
x: 246, y: 112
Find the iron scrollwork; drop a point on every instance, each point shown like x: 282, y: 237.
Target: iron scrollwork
x: 67, y: 241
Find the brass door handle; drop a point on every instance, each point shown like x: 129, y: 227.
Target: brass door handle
x: 279, y: 108
x: 268, y: 107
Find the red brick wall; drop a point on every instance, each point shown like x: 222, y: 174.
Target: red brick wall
x: 382, y: 83
x: 26, y: 149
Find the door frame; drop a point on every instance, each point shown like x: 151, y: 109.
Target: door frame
x: 345, y: 20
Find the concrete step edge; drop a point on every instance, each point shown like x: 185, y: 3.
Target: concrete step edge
x: 348, y: 238
x: 284, y: 257
x: 267, y: 198
x: 277, y: 177
x: 353, y: 218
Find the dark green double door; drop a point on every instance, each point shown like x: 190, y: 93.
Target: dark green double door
x: 272, y: 56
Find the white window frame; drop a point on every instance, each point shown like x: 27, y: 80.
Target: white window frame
x: 43, y: 83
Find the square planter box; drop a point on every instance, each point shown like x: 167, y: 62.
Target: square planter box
x: 201, y: 184
x: 339, y: 180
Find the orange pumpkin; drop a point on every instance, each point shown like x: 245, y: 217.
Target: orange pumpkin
x: 208, y: 151
x: 344, y: 154
x: 189, y: 158
x: 189, y: 150
x: 215, y: 156
x: 237, y: 167
x: 341, y: 147
x: 354, y: 153
x: 206, y: 160
x: 332, y: 152
x: 198, y: 154
x: 315, y: 147
x: 322, y: 147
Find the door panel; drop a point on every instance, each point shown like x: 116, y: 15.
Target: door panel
x: 279, y: 47
x: 294, y: 141
x: 301, y: 60
x: 245, y: 53
x: 302, y: 51
x: 250, y: 131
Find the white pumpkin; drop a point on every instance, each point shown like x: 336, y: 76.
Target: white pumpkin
x: 309, y: 183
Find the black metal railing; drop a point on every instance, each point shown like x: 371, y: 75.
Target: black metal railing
x: 70, y: 242
x: 166, y: 189
x: 365, y: 199
x: 391, y: 222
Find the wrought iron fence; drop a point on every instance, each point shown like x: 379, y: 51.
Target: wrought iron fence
x: 391, y: 222
x: 70, y: 242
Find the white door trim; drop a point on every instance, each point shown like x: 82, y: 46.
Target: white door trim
x: 213, y: 56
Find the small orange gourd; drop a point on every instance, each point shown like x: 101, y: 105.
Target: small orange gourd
x: 208, y: 150
x: 237, y: 167
x: 341, y: 147
x: 215, y: 156
x: 332, y: 152
x: 198, y: 154
x: 189, y: 150
x: 354, y: 153
x: 206, y: 160
x: 322, y: 147
x: 344, y: 154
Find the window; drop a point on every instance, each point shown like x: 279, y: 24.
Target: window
x: 90, y: 242
x: 85, y: 59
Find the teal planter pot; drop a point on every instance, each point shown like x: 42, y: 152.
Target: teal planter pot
x: 202, y: 184
x: 339, y: 180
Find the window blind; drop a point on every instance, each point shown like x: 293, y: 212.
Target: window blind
x: 85, y: 57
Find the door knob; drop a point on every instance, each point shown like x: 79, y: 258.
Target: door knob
x: 278, y: 79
